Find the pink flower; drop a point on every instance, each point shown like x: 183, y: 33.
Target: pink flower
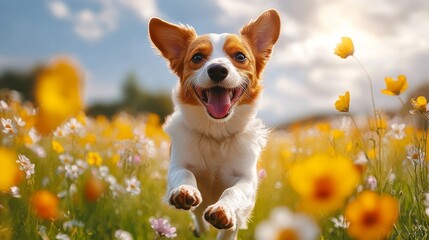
x: 163, y: 227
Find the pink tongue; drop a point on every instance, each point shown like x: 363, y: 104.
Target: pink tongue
x: 218, y: 103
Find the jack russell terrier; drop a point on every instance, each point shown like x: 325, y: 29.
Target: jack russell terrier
x: 216, y: 138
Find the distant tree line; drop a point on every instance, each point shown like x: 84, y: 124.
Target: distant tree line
x: 134, y: 99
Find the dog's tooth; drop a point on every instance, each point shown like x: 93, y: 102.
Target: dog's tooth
x: 231, y: 93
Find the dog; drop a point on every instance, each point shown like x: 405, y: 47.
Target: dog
x: 216, y: 138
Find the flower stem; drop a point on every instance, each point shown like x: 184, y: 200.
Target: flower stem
x: 403, y: 103
x: 360, y: 133
x: 370, y: 85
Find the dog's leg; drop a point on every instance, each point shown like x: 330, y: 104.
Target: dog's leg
x: 200, y: 226
x: 233, y: 208
x: 182, y: 188
x: 227, y: 234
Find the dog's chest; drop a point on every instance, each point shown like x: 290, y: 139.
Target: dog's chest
x: 217, y: 159
x: 218, y: 165
x: 216, y: 162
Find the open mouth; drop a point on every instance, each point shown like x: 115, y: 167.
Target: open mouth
x: 218, y: 100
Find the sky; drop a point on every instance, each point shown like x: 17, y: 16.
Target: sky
x: 303, y: 78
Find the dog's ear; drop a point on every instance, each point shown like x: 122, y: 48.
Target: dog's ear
x: 171, y: 41
x: 262, y: 34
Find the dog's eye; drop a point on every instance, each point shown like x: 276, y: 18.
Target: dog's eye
x: 240, y: 57
x: 197, y: 58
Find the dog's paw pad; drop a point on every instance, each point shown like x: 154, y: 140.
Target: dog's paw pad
x: 184, y: 197
x: 218, y: 217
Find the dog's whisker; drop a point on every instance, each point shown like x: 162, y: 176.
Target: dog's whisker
x: 244, y: 86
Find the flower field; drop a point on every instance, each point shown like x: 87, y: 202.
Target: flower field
x: 65, y: 175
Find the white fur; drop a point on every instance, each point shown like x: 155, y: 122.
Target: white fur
x: 219, y: 161
x: 216, y: 160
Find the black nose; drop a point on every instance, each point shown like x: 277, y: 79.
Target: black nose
x: 217, y: 72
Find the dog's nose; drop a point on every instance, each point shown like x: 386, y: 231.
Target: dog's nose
x: 217, y: 72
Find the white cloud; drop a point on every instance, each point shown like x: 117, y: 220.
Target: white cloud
x: 273, y: 108
x: 144, y: 9
x: 291, y: 88
x: 87, y: 23
x: 93, y: 25
x: 240, y: 10
x: 59, y: 9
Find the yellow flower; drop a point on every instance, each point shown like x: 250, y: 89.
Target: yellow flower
x: 45, y: 205
x: 81, y: 118
x: 115, y: 158
x: 372, y: 153
x: 345, y: 48
x: 395, y: 87
x: 94, y: 158
x: 57, y: 94
x: 337, y: 134
x: 371, y: 216
x: 9, y: 172
x: 343, y: 103
x: 420, y: 104
x: 122, y: 124
x: 57, y: 147
x: 154, y: 129
x: 324, y: 182
x: 378, y: 124
x: 88, y: 139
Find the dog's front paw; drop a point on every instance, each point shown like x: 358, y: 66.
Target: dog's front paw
x: 184, y: 197
x: 219, y: 217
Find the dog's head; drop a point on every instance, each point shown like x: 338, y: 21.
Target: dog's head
x: 217, y: 72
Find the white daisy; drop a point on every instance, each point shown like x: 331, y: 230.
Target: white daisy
x: 62, y: 236
x: 19, y: 121
x: 340, y: 222
x: 284, y: 224
x: 397, y: 131
x: 72, y: 171
x: 72, y: 224
x: 81, y: 165
x: 133, y: 186
x: 4, y: 105
x: 361, y: 159
x: 61, y: 131
x: 74, y: 126
x: 14, y: 191
x: 66, y: 159
x: 123, y: 235
x: 415, y: 154
x: 25, y: 165
x: 33, y: 136
x: 8, y: 127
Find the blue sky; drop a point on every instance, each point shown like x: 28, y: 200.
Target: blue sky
x: 109, y: 40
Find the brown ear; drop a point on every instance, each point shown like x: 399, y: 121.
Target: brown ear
x: 262, y: 34
x: 171, y: 41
